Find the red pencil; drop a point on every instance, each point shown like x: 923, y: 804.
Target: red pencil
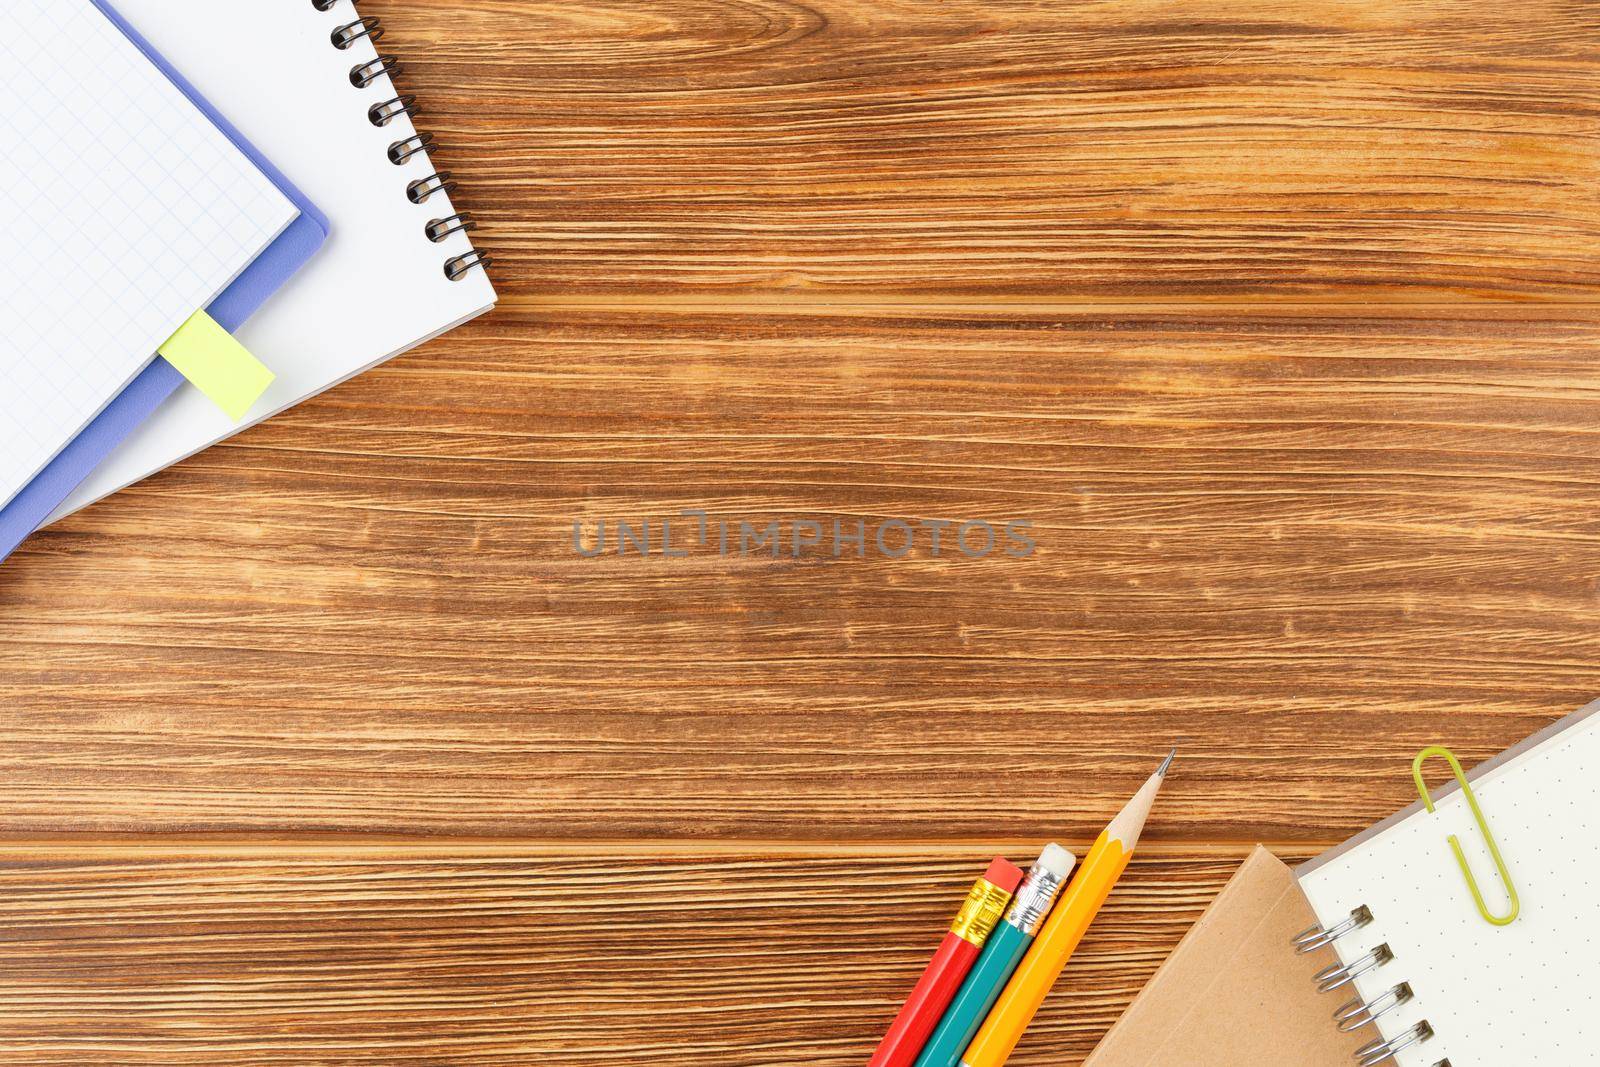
x: 942, y: 977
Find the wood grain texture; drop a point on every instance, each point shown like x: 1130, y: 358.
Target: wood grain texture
x: 1276, y: 322
x: 1412, y: 149
x: 1306, y: 543
x: 462, y: 954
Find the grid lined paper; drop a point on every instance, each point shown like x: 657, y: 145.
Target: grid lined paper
x: 132, y: 212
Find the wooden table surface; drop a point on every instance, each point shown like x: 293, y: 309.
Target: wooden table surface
x: 1278, y: 323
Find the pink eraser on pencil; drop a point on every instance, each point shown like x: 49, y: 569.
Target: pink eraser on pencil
x: 1003, y: 874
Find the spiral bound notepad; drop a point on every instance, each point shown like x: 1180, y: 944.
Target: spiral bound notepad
x: 133, y: 211
x: 1446, y: 986
x: 304, y: 83
x: 1234, y: 993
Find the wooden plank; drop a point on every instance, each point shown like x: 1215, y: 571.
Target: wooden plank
x: 1306, y: 544
x: 226, y: 954
x: 1412, y: 149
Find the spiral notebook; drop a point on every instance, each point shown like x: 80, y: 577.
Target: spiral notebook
x: 1234, y: 993
x: 278, y: 262
x: 304, y: 83
x: 1402, y: 968
x: 133, y: 212
x: 1450, y: 986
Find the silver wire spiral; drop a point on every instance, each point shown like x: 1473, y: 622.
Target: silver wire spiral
x: 363, y: 75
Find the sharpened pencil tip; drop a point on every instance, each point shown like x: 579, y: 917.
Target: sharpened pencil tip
x: 1162, y: 770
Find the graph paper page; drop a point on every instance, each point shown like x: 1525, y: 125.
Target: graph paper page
x: 377, y: 287
x: 131, y: 212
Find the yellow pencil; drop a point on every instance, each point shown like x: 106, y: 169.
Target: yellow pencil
x: 1097, y: 876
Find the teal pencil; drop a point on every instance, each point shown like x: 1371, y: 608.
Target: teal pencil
x: 1005, y: 949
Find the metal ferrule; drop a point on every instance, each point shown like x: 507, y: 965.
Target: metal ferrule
x: 1035, y: 897
x: 981, y: 912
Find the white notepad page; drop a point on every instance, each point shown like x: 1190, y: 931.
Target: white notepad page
x: 1518, y: 995
x: 130, y: 212
x: 377, y: 287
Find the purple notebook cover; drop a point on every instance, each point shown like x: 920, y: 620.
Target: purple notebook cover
x: 276, y: 264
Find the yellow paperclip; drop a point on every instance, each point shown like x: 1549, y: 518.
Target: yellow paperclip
x: 1455, y: 843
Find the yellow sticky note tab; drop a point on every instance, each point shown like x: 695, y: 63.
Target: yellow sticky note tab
x: 217, y: 364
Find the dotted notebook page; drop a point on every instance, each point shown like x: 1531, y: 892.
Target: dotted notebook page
x: 1520, y: 994
x: 131, y: 211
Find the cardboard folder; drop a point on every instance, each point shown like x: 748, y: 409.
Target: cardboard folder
x: 1234, y: 993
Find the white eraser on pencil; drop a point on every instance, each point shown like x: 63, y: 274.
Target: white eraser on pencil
x: 1057, y: 860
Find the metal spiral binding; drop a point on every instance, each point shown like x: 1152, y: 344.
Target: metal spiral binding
x: 456, y: 266
x: 1358, y: 1013
x: 439, y: 181
x: 386, y: 112
x: 401, y: 151
x: 1355, y: 1014
x: 347, y: 35
x: 1315, y: 937
x: 1375, y: 1052
x: 439, y: 229
x: 362, y: 75
x: 1342, y: 974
